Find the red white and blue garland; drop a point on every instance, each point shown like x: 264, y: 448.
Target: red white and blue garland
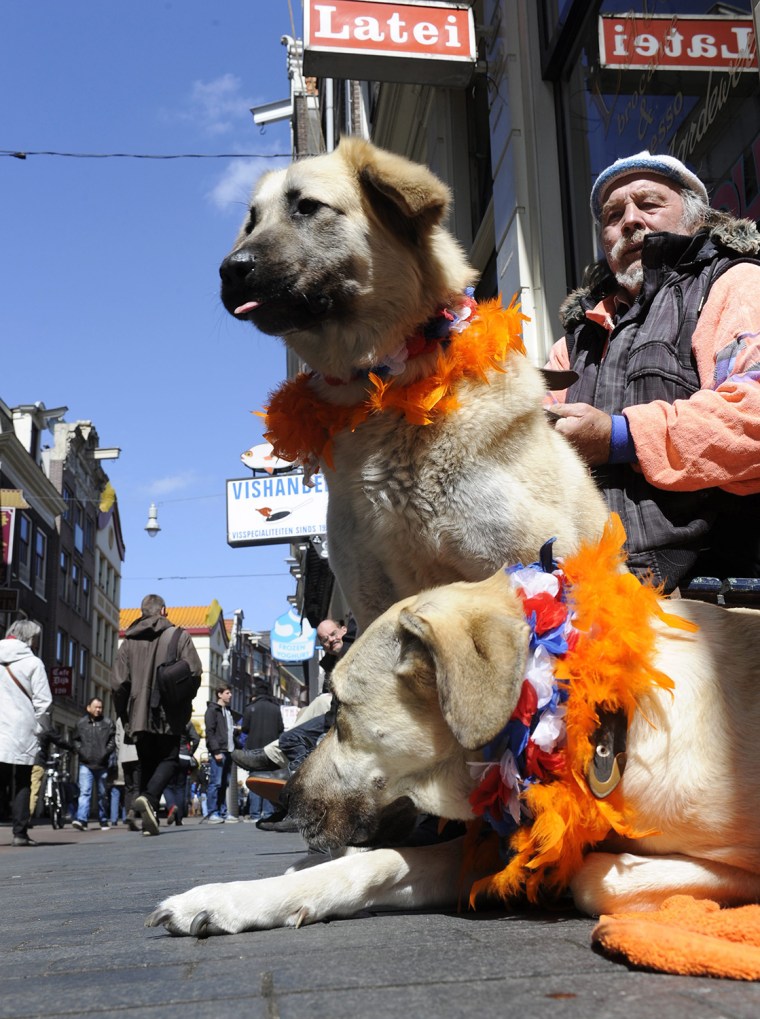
x: 592, y: 649
x: 531, y: 746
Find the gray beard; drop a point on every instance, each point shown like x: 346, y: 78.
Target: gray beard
x: 631, y: 279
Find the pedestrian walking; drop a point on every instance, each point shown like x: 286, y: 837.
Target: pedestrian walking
x: 94, y: 741
x: 220, y: 742
x: 151, y: 719
x: 25, y: 701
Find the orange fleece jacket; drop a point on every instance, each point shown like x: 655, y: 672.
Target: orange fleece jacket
x: 711, y: 439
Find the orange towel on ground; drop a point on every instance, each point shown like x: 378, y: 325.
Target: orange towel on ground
x: 687, y: 936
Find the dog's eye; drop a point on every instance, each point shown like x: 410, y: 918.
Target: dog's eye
x: 307, y: 206
x: 251, y: 221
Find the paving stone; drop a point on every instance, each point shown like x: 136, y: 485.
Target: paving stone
x: 72, y: 943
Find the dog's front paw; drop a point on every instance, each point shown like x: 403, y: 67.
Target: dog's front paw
x: 227, y: 908
x: 200, y: 912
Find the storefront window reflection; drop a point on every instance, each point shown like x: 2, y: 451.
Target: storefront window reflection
x: 670, y: 76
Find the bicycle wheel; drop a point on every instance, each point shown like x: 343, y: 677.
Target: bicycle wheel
x: 56, y: 808
x: 47, y: 799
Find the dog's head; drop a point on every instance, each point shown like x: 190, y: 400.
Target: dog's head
x: 343, y: 255
x: 423, y: 689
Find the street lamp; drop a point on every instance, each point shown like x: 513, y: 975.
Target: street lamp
x: 152, y: 526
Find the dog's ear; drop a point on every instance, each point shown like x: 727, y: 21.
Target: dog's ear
x: 477, y: 639
x: 410, y: 194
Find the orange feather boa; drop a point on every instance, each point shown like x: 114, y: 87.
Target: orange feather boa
x: 609, y: 668
x: 301, y: 426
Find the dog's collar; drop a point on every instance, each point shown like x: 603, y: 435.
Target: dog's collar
x: 591, y: 663
x: 301, y: 426
x: 532, y: 745
x: 426, y: 339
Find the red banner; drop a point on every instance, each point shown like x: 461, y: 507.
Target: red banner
x: 434, y: 29
x: 60, y: 677
x: 676, y: 42
x: 7, y: 520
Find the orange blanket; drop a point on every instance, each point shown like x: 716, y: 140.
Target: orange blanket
x: 687, y: 936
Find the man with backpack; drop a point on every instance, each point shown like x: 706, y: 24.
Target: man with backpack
x: 156, y: 676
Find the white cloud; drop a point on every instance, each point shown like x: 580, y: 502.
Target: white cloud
x: 218, y: 109
x: 173, y: 483
x: 215, y: 108
x: 233, y: 189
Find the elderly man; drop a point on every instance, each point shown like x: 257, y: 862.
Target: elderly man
x: 293, y: 746
x: 665, y: 338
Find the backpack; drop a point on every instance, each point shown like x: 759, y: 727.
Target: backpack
x: 175, y: 683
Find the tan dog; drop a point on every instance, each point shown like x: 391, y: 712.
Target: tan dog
x: 434, y: 679
x: 344, y: 256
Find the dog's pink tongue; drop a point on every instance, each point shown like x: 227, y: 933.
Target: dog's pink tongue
x: 244, y: 308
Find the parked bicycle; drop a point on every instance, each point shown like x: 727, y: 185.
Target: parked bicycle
x: 56, y: 766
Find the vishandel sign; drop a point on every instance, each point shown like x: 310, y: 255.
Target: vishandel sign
x: 269, y: 510
x: 428, y: 43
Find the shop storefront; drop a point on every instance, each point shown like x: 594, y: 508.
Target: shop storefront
x: 671, y: 76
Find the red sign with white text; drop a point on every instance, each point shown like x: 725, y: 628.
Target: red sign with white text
x: 676, y: 42
x: 413, y: 29
x: 60, y: 680
x: 418, y: 42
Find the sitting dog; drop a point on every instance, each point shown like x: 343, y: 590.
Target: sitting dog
x: 620, y: 817
x: 420, y: 406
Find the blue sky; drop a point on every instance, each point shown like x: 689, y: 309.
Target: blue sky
x: 109, y: 267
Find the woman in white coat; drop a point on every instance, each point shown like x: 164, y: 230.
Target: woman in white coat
x: 25, y: 701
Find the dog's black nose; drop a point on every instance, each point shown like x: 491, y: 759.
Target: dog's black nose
x: 236, y: 267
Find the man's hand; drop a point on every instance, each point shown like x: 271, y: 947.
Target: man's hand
x: 218, y: 758
x: 587, y: 428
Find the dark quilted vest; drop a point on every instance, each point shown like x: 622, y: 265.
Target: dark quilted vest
x: 673, y: 535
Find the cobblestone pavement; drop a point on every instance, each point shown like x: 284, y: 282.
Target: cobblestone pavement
x: 72, y: 943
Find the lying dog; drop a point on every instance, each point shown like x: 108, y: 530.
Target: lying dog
x: 423, y: 697
x: 421, y: 408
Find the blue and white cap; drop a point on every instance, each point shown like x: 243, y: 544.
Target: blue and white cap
x: 644, y: 162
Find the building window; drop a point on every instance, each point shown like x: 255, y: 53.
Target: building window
x: 68, y: 498
x: 99, y: 624
x: 61, y: 646
x: 102, y: 572
x: 84, y: 665
x: 64, y: 577
x: 650, y: 76
x: 89, y: 533
x: 79, y: 530
x: 86, y: 585
x: 40, y: 561
x: 111, y: 637
x: 75, y: 575
x: 72, y: 660
x: 24, y: 548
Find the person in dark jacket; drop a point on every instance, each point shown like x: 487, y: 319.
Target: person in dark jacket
x: 665, y: 338
x: 262, y: 719
x: 220, y: 742
x: 176, y: 792
x: 154, y: 728
x: 94, y: 742
x: 261, y: 724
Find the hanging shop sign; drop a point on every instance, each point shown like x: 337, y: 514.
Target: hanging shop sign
x: 291, y: 638
x: 676, y: 42
x: 7, y: 521
x: 61, y: 680
x: 262, y: 458
x: 278, y: 509
x: 427, y: 43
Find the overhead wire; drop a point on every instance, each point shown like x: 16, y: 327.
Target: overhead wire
x: 25, y: 153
